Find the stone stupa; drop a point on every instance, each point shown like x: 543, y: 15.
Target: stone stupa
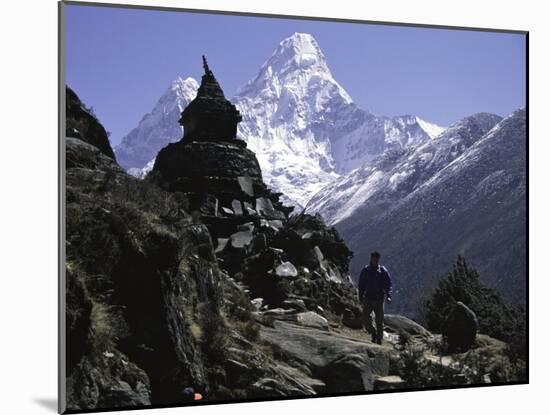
x: 220, y: 178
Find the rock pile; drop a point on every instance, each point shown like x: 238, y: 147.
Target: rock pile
x: 291, y: 262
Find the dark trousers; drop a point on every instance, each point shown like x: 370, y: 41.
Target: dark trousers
x: 376, y: 306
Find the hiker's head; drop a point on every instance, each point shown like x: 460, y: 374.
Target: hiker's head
x: 375, y: 258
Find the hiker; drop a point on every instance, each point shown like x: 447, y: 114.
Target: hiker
x: 375, y: 287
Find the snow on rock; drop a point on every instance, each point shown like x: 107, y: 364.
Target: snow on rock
x: 140, y: 173
x: 433, y: 130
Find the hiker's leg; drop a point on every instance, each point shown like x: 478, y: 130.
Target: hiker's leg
x: 379, y: 311
x: 367, y: 317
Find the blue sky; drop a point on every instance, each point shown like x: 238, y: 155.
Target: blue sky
x: 119, y: 61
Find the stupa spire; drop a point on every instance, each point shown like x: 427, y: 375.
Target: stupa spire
x: 205, y: 65
x: 210, y: 116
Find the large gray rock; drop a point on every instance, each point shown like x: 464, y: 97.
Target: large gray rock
x: 343, y: 364
x: 460, y: 328
x: 247, y: 185
x: 227, y: 211
x: 222, y: 243
x: 312, y: 319
x: 247, y: 368
x: 242, y: 238
x: 237, y: 207
x: 315, y: 258
x: 388, y: 383
x: 286, y: 270
x: 250, y: 209
x: 397, y: 323
x: 291, y: 315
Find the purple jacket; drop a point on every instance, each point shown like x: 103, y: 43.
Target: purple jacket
x: 374, y: 283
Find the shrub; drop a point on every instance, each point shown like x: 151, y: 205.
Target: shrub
x: 497, y: 317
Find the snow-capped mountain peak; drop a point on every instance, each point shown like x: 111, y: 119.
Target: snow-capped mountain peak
x: 303, y: 126
x: 297, y: 51
x: 293, y: 92
x: 299, y: 66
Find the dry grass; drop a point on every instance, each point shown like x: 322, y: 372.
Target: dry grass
x: 101, y: 326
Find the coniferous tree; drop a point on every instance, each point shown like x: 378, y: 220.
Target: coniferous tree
x: 497, y: 317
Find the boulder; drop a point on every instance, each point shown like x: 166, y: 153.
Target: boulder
x: 286, y: 270
x: 334, y: 274
x: 250, y: 209
x: 247, y: 185
x: 222, y: 243
x: 316, y: 258
x: 241, y: 239
x: 396, y: 323
x: 388, y: 383
x: 460, y: 328
x: 237, y: 207
x: 294, y: 304
x: 227, y: 211
x: 312, y: 319
x: 343, y: 364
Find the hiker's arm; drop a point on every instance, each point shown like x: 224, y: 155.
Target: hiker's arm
x: 387, y: 284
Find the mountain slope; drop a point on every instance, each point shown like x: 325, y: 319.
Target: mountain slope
x: 474, y: 205
x: 399, y: 171
x: 301, y: 123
